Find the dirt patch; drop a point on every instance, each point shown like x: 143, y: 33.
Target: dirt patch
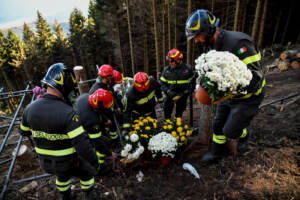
x: 268, y: 170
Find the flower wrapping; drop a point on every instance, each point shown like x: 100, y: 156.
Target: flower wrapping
x: 221, y: 73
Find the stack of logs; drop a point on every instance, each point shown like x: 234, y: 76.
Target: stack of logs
x: 289, y: 58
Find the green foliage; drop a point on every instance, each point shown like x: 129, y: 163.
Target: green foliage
x: 15, y: 50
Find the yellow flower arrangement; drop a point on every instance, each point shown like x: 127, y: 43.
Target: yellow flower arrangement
x: 178, y: 130
x: 145, y: 128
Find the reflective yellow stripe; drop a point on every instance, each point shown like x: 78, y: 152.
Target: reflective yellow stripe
x: 113, y: 133
x: 219, y: 139
x: 24, y: 128
x: 100, y: 161
x: 48, y: 136
x: 62, y: 152
x: 163, y: 79
x: 256, y: 93
x: 126, y: 125
x: 63, y: 183
x: 176, y: 81
x: 146, y: 99
x: 95, y: 135
x: 113, y: 136
x: 161, y: 99
x: 252, y: 59
x: 100, y: 154
x: 87, y: 184
x: 244, y: 134
x: 76, y: 132
x: 63, y: 188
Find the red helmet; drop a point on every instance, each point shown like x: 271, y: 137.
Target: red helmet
x: 101, y: 96
x: 141, y: 81
x: 117, y: 76
x: 174, y: 55
x: 105, y: 70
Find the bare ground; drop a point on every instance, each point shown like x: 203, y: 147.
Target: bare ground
x: 268, y: 170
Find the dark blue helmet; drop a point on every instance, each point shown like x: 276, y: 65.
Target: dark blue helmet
x: 201, y: 22
x: 60, y: 78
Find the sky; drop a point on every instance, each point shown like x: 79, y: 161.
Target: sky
x: 16, y: 12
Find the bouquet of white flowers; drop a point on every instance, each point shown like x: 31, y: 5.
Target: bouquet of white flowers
x: 132, y: 148
x: 222, y: 74
x: 163, y: 144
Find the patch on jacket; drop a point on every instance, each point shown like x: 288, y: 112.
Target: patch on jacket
x: 241, y: 50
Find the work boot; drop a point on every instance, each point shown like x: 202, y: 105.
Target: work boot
x: 217, y: 152
x: 104, y: 170
x: 243, y: 142
x: 90, y: 194
x: 67, y: 195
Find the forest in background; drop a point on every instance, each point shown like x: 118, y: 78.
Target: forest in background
x: 134, y: 35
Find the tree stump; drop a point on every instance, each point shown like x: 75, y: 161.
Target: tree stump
x: 83, y: 88
x: 283, y: 65
x: 26, y: 158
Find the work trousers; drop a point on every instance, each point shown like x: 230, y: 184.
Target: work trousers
x: 233, y: 116
x: 180, y: 106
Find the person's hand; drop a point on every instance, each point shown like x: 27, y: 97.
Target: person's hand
x: 125, y: 132
x: 113, y: 156
x: 118, y: 111
x: 108, y: 123
x: 176, y: 98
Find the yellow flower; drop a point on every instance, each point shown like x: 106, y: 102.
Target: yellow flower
x: 141, y: 123
x: 186, y: 126
x: 168, y: 121
x: 146, y: 136
x: 130, y: 132
x: 178, y: 123
x: 154, y: 125
x: 148, y: 117
x: 182, y: 138
x: 140, y: 118
x: 145, y: 120
x: 137, y: 127
x: 178, y: 119
x: 136, y: 121
x: 188, y: 132
x: 177, y: 138
x: 147, y: 128
x: 150, y: 120
x: 170, y: 126
x: 181, y: 133
x: 155, y: 120
x: 165, y: 127
x: 174, y: 134
x: 179, y: 129
x: 179, y: 144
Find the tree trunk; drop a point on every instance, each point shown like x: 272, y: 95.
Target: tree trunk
x: 244, y: 17
x: 164, y: 31
x: 120, y: 48
x: 156, y: 40
x: 175, y: 24
x: 277, y: 26
x: 146, y: 53
x: 236, y: 15
x: 227, y: 15
x: 130, y: 38
x: 255, y: 23
x: 206, y: 118
x: 169, y: 25
x: 262, y: 24
x: 287, y: 22
x: 9, y: 84
x: 188, y: 54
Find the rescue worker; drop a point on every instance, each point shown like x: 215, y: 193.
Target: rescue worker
x: 140, y: 99
x: 105, y: 81
x: 234, y: 115
x: 60, y: 141
x: 89, y: 109
x: 176, y: 81
x: 117, y: 76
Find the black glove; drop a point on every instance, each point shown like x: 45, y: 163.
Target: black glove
x: 171, y: 94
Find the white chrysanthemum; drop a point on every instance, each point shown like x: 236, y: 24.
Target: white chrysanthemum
x: 134, y: 137
x: 128, y: 147
x: 124, y: 153
x: 224, y: 69
x: 126, y: 137
x: 163, y: 143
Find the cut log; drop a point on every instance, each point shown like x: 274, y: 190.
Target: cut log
x: 295, y: 64
x: 298, y: 55
x: 79, y: 71
x: 28, y: 187
x: 26, y: 158
x: 288, y: 54
x: 283, y: 65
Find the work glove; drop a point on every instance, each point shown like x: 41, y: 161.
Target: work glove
x: 125, y: 132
